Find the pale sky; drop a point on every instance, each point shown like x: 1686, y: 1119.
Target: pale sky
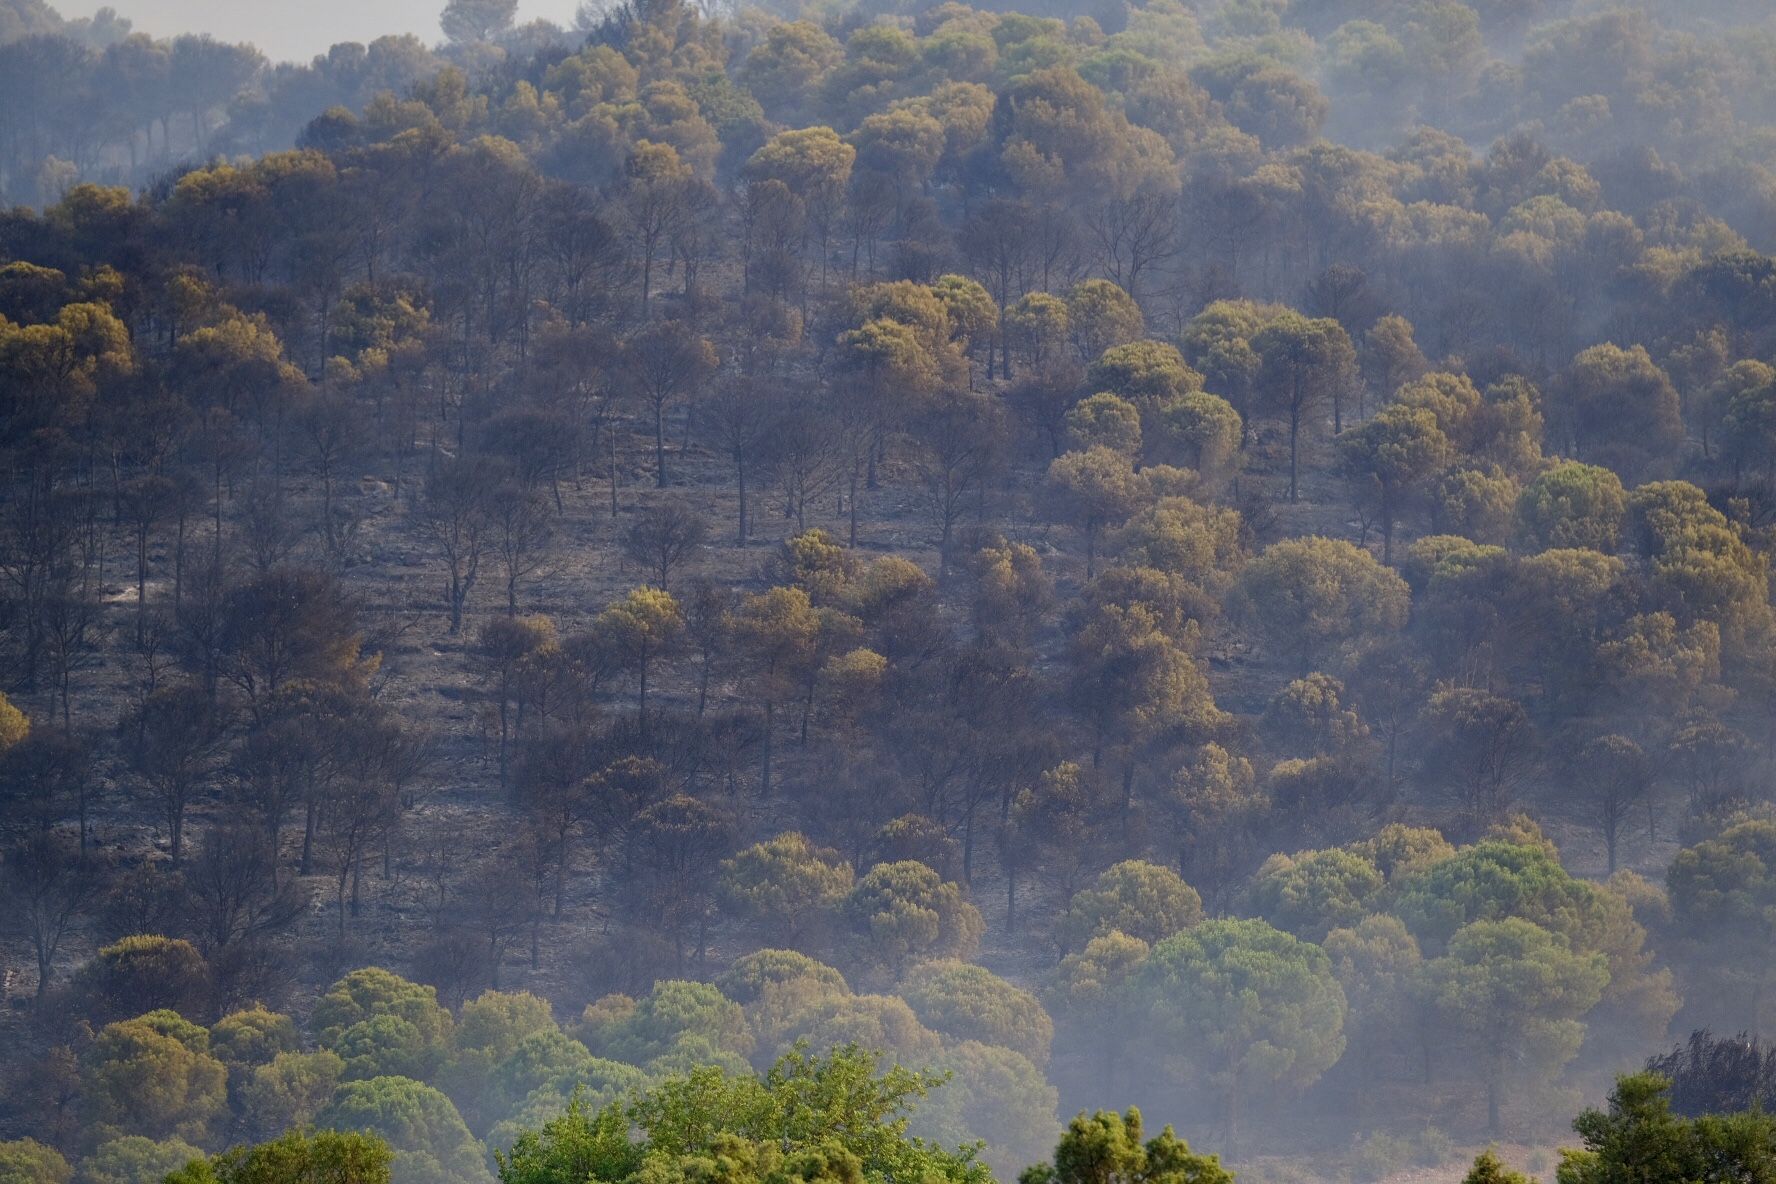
x: 298, y: 29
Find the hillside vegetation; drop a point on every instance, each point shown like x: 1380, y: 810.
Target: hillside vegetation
x: 1205, y: 555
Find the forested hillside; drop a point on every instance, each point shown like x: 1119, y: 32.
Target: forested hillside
x: 1208, y: 554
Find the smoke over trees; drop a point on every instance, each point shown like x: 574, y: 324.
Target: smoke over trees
x: 1194, y: 555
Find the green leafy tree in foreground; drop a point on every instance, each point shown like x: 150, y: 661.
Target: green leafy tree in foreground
x: 832, y: 1118
x: 1638, y: 1138
x: 1490, y: 1169
x: 1106, y: 1148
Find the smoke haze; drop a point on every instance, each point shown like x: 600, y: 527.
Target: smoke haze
x: 297, y: 32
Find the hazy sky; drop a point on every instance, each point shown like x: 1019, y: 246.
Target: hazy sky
x: 298, y: 29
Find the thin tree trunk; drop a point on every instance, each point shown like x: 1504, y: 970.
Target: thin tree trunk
x: 141, y: 583
x: 308, y: 836
x: 765, y: 771
x: 1294, y: 453
x: 641, y: 699
x: 1230, y: 1132
x: 740, y: 471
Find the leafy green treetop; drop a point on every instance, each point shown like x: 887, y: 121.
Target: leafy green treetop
x: 26, y: 1161
x: 1388, y: 460
x: 1314, y: 596
x: 144, y: 972
x: 752, y: 975
x: 1519, y: 991
x: 1638, y: 1138
x: 905, y: 910
x: 1617, y: 406
x: 1723, y: 895
x: 820, y: 1017
x: 837, y: 1118
x: 345, y: 1018
x: 318, y: 1157
x: 497, y: 1021
x: 1312, y: 893
x: 489, y: 1031
x: 1146, y: 373
x: 1398, y: 850
x: 970, y: 1002
x: 251, y: 1037
x: 1106, y: 1148
x: 1139, y: 899
x: 1572, y: 505
x: 430, y: 1143
x: 1101, y: 316
x: 1303, y: 365
x: 1499, y: 878
x: 1489, y: 1169
x: 1256, y: 1008
x: 135, y: 1159
x: 1309, y: 717
x: 1095, y: 488
x: 288, y: 1092
x: 1198, y: 430
x: 1377, y: 963
x: 675, y: 1016
x: 1088, y: 990
x: 1105, y: 420
x: 153, y: 1076
x: 785, y: 885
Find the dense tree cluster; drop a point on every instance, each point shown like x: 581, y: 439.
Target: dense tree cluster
x: 836, y: 1118
x: 1096, y: 555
